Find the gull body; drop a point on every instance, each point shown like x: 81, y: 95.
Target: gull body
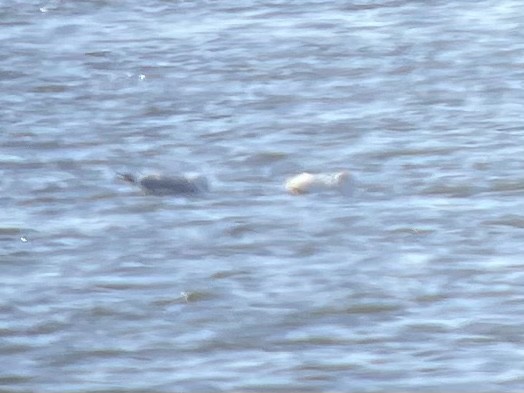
x: 305, y: 183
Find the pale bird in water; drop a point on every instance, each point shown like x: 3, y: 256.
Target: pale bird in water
x: 306, y: 183
x: 168, y: 185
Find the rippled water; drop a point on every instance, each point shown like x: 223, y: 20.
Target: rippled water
x: 413, y: 284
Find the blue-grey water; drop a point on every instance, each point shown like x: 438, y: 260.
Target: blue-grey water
x: 415, y: 283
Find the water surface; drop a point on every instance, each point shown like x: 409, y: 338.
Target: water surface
x: 413, y: 284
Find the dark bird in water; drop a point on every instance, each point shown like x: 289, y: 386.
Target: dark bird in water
x: 168, y: 185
